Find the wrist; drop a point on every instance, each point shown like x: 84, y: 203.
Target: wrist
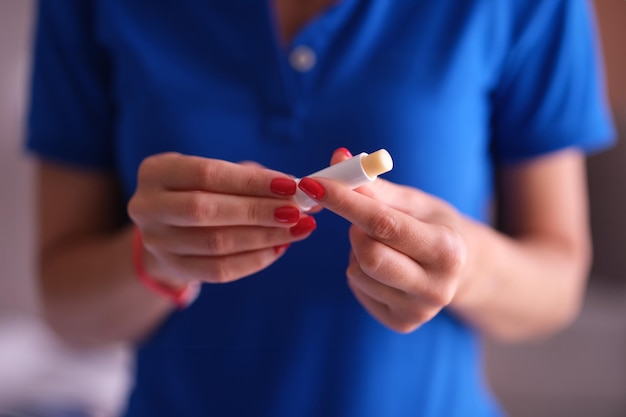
x: 155, y: 268
x: 477, y: 282
x: 181, y: 294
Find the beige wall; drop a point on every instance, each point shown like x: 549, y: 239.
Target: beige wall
x: 16, y: 198
x: 34, y: 368
x: 582, y: 371
x: 607, y: 171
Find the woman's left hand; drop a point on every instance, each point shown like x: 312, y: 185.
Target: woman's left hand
x: 408, y: 255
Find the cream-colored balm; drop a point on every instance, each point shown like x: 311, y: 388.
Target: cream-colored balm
x: 354, y: 172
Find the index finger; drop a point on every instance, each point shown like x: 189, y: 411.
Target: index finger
x: 383, y: 223
x: 176, y: 172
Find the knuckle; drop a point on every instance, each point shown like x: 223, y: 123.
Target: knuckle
x: 371, y: 262
x: 227, y: 269
x: 350, y: 281
x: 439, y: 295
x: 217, y: 243
x: 253, y: 213
x: 369, y: 253
x: 408, y: 320
x: 204, y: 172
x: 151, y: 241
x: 195, y: 208
x: 145, y: 168
x: 258, y: 263
x: 352, y: 272
x: 149, y: 168
x: 139, y: 209
x: 219, y: 272
x: 404, y: 326
x: 451, y: 252
x: 250, y: 183
x: 384, y: 226
x: 135, y: 208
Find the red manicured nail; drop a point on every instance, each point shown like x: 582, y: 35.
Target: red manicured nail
x: 304, y: 226
x: 345, y: 152
x: 312, y: 188
x: 287, y: 214
x: 283, y: 186
x: 281, y: 248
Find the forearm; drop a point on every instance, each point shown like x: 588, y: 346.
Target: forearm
x: 522, y: 288
x: 90, y: 294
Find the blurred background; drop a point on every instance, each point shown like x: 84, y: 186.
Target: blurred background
x: 580, y: 372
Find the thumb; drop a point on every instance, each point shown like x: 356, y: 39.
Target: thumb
x: 340, y: 155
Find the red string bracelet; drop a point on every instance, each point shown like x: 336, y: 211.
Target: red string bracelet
x: 181, y: 297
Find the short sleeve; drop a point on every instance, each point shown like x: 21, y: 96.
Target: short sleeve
x: 71, y: 112
x: 551, y: 90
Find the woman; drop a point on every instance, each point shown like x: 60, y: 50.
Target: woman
x: 152, y: 105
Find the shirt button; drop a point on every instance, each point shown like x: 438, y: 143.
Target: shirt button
x: 302, y: 58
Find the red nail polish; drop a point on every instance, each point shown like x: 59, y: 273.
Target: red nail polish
x: 345, y: 152
x: 283, y: 186
x: 312, y: 188
x: 287, y: 214
x: 304, y: 226
x: 280, y: 249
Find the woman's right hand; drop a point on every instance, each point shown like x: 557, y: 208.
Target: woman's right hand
x: 213, y: 221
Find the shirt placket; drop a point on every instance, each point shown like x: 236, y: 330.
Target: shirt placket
x: 298, y: 66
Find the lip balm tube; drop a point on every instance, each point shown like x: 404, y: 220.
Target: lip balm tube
x: 353, y: 172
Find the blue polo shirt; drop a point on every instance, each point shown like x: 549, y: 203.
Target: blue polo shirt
x: 451, y: 88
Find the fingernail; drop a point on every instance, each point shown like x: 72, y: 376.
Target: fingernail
x: 312, y: 188
x: 283, y: 186
x: 304, y: 226
x: 281, y: 248
x: 345, y: 152
x: 287, y: 214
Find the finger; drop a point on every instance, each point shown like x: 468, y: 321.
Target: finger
x: 436, y: 245
x: 208, y: 209
x: 427, y: 297
x: 382, y: 313
x: 223, y: 269
x: 219, y: 241
x: 191, y: 173
x: 385, y: 265
x: 419, y: 240
x: 395, y: 319
x: 409, y: 200
x: 340, y: 155
x: 373, y: 288
x: 395, y: 279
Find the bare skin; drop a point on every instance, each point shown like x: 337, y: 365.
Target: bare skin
x: 413, y: 254
x: 513, y: 287
x: 89, y: 292
x: 202, y: 219
x: 292, y: 16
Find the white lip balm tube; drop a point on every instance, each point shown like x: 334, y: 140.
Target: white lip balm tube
x: 353, y: 172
